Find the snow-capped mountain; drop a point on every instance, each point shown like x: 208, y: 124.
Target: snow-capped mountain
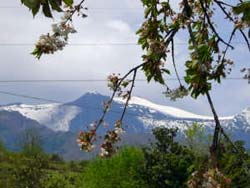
x: 58, y: 117
x: 54, y: 116
x: 168, y: 110
x: 142, y: 115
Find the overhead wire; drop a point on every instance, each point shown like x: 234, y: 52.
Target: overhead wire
x: 97, y: 44
x: 28, y: 97
x: 77, y: 44
x: 94, y: 80
x: 126, y: 124
x: 88, y: 8
x: 57, y: 101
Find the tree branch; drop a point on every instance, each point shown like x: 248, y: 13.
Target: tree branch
x: 212, y: 26
x: 232, y: 20
x: 76, y: 8
x: 129, y: 95
x: 115, y: 91
x: 174, y: 64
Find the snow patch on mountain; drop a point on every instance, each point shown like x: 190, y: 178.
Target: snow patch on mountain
x: 167, y: 110
x: 54, y: 116
x: 246, y: 114
x: 150, y: 123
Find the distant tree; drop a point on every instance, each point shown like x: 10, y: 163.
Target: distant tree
x: 122, y: 170
x: 56, y: 158
x: 28, y: 170
x: 236, y: 167
x: 167, y: 162
x: 197, y: 139
x: 62, y: 180
x: 31, y: 143
x: 2, y: 149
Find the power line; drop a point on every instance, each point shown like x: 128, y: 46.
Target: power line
x: 78, y: 44
x: 88, y: 8
x: 93, y: 80
x: 97, y: 44
x: 29, y: 97
x: 54, y: 81
x: 60, y: 102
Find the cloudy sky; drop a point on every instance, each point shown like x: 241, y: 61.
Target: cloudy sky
x: 108, y: 21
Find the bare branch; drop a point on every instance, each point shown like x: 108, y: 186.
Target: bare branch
x: 227, y: 47
x: 129, y: 95
x: 223, y: 3
x: 76, y: 8
x: 115, y: 91
x: 174, y: 64
x: 212, y: 26
x: 232, y: 20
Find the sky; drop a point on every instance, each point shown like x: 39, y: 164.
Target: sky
x: 108, y: 21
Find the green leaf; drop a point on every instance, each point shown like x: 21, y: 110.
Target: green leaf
x: 47, y: 10
x: 243, y: 8
x: 68, y: 2
x: 35, y: 10
x: 166, y: 71
x: 147, y: 12
x: 55, y: 5
x: 33, y: 5
x: 37, y: 53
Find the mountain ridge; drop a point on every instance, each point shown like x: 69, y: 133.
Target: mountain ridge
x: 60, y: 115
x: 62, y: 122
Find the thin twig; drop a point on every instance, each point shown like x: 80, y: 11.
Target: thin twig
x: 231, y: 19
x: 223, y: 3
x: 106, y: 109
x: 129, y: 95
x: 213, y: 28
x: 174, y: 64
x: 76, y: 8
x: 230, y: 40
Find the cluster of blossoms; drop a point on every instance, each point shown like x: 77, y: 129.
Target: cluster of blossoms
x: 115, y: 84
x: 246, y: 72
x: 50, y: 43
x: 157, y: 47
x: 113, y: 81
x: 106, y: 105
x: 112, y: 137
x: 179, y: 92
x: 85, y: 140
x: 210, y: 179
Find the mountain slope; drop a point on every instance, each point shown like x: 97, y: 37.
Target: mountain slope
x: 168, y: 110
x: 60, y: 123
x: 55, y: 116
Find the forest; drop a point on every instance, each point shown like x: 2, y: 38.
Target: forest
x: 166, y: 162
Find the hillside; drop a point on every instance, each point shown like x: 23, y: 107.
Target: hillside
x: 59, y: 124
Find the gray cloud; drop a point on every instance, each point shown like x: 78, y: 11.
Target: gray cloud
x: 96, y: 62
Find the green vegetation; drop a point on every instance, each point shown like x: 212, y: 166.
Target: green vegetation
x: 166, y: 163
x: 33, y: 168
x: 40, y: 171
x: 122, y: 170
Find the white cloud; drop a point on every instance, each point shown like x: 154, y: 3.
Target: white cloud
x: 95, y: 62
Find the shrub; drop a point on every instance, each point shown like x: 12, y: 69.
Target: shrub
x: 167, y: 162
x: 119, y: 171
